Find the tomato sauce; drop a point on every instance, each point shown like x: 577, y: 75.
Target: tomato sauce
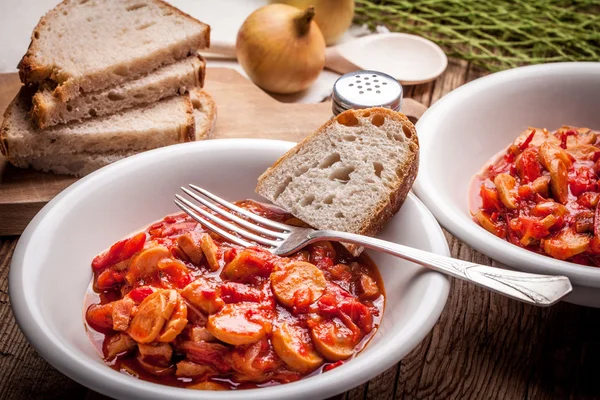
x: 542, y: 194
x: 178, y: 305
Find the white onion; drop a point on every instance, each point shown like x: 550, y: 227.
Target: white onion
x: 281, y: 48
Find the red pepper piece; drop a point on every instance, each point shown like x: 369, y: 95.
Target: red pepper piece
x: 527, y: 141
x: 584, y: 181
x: 120, y: 251
x: 139, y: 294
x: 528, y: 166
x: 230, y: 254
x: 235, y: 292
x: 329, y: 367
x: 589, y: 199
x: 490, y: 200
x: 176, y: 273
x: 109, y: 278
x: 336, y: 301
x: 320, y: 256
x: 302, y: 300
x: 360, y: 314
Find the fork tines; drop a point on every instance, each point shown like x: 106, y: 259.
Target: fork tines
x: 234, y: 232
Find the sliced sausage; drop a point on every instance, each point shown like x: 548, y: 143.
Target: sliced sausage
x: 146, y: 263
x: 549, y: 152
x: 233, y: 325
x: 175, y: 324
x: 566, y: 244
x: 584, y: 221
x: 100, y: 315
x: 174, y: 273
x: 583, y: 136
x: 333, y: 339
x: 541, y: 185
x: 210, y: 250
x: 204, y: 294
x: 539, y: 137
x: 559, y: 181
x: 545, y: 208
x: 486, y: 222
x: 583, y: 151
x: 248, y: 264
x: 505, y: 184
x: 292, y: 344
x: 152, y: 314
x: 288, y: 280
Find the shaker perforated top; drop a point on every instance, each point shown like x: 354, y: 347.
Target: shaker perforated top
x: 364, y: 89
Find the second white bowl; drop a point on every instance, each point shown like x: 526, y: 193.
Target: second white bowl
x: 464, y: 129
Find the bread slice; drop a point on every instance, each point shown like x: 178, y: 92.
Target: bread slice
x: 83, y: 163
x: 205, y: 113
x: 173, y: 79
x: 165, y: 122
x: 89, y: 45
x: 351, y: 175
x: 80, y: 148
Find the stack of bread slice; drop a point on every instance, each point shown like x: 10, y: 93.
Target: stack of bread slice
x: 105, y: 79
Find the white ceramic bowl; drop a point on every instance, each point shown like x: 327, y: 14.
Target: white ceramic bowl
x: 468, y: 126
x: 51, y: 265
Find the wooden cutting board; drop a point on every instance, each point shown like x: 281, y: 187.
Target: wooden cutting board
x: 243, y: 111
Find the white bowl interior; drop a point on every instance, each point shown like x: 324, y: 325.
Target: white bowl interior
x: 462, y: 131
x: 51, y: 265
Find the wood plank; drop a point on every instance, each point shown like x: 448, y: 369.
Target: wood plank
x: 243, y: 110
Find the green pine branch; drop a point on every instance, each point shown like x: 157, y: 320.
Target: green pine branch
x: 497, y: 34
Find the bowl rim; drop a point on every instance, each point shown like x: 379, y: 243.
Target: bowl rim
x: 452, y: 218
x: 105, y: 380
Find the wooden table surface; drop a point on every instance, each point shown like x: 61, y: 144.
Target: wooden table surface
x: 483, y: 347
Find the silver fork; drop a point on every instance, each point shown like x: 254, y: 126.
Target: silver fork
x: 281, y: 239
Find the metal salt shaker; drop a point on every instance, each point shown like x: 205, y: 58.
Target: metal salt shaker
x: 364, y: 89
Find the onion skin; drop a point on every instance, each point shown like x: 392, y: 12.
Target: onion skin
x: 334, y: 17
x: 281, y: 48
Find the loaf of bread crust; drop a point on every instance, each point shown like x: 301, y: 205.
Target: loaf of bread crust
x: 82, y: 46
x: 79, y: 148
x: 171, y: 80
x: 351, y: 175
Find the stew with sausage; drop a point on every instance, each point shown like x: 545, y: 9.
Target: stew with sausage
x: 178, y: 305
x: 542, y: 194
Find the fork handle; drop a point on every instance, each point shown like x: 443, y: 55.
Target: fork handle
x: 539, y: 290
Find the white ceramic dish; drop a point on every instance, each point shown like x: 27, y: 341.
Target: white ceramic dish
x: 51, y: 265
x: 468, y: 126
x: 409, y: 58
